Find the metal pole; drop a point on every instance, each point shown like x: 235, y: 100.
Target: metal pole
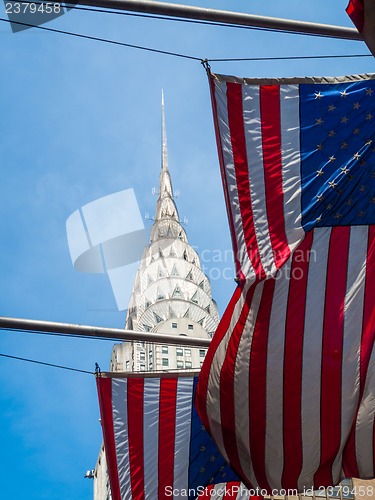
x: 37, y: 326
x: 225, y: 17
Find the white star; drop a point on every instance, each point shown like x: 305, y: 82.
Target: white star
x: 320, y: 197
x: 344, y: 119
x: 357, y: 156
x: 369, y: 116
x: 319, y: 121
x: 332, y: 133
x: 318, y: 95
x: 344, y: 145
x: 345, y: 170
x: 344, y: 94
x: 332, y: 184
x: 319, y: 172
x: 332, y: 158
x: 369, y: 91
x: 331, y: 107
x: 356, y: 105
x: 319, y: 146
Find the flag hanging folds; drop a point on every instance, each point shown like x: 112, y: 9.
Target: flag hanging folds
x: 155, y: 444
x: 286, y: 389
x: 362, y: 13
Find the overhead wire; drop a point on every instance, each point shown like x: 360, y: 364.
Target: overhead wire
x: 177, y: 54
x: 28, y: 360
x: 62, y: 367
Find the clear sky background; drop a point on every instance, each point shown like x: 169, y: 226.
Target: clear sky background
x: 79, y: 120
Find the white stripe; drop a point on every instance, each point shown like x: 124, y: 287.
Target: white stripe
x: 229, y: 172
x: 254, y: 153
x: 184, y: 400
x: 312, y: 352
x: 241, y: 383
x: 353, y: 318
x: 120, y: 427
x: 364, y: 431
x: 151, y: 435
x: 213, y: 391
x: 291, y: 163
x: 274, y: 446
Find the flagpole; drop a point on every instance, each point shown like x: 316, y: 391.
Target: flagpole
x: 97, y: 332
x: 224, y: 17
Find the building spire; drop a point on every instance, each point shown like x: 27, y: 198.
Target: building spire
x: 165, y: 207
x: 164, y: 147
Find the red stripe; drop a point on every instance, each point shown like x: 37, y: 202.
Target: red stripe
x: 227, y: 383
x: 167, y: 431
x: 355, y: 11
x: 135, y: 436
x: 104, y: 386
x: 237, y: 134
x: 367, y: 344
x: 202, y: 386
x: 293, y: 354
x: 258, y: 386
x: 207, y: 492
x: 228, y: 204
x: 232, y: 489
x: 272, y: 164
x: 332, y: 346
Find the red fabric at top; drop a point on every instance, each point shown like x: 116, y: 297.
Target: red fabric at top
x: 355, y: 11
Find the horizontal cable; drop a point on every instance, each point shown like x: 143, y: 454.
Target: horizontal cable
x: 105, y: 40
x: 288, y: 58
x: 45, y: 364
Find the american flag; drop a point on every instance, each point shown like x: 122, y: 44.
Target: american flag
x: 286, y: 389
x: 155, y: 444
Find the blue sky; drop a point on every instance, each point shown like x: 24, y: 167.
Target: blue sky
x: 79, y: 120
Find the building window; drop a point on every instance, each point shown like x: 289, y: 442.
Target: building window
x: 188, y: 353
x: 127, y: 365
x: 142, y: 356
x: 180, y: 364
x: 164, y: 349
x: 201, y: 363
x: 142, y: 367
x: 202, y: 353
x: 188, y: 364
x: 165, y: 362
x: 190, y: 327
x: 179, y: 351
x: 174, y: 325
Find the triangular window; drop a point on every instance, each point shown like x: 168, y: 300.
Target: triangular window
x: 177, y: 292
x: 174, y: 271
x: 158, y: 319
x: 195, y: 298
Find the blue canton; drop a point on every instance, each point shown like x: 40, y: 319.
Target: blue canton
x: 337, y: 154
